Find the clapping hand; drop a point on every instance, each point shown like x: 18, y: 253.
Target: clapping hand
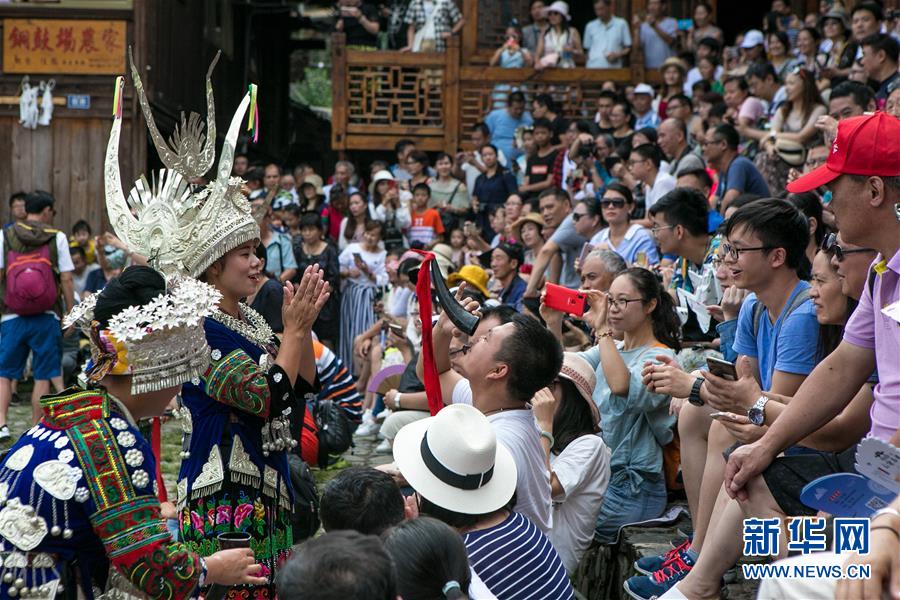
x: 303, y: 302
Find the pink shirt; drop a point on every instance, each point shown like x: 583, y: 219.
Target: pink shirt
x: 872, y: 329
x: 752, y: 108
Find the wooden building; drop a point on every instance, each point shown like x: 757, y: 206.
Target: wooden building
x: 81, y: 45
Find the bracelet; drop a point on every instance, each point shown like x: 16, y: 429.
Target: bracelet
x: 549, y: 437
x: 891, y: 529
x: 397, y: 401
x: 608, y: 333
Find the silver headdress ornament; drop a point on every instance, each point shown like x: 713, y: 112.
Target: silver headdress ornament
x: 177, y: 230
x: 163, y: 341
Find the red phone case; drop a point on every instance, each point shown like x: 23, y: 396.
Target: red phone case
x: 564, y: 299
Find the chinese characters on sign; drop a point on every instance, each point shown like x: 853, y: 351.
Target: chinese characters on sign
x: 805, y: 535
x: 63, y: 46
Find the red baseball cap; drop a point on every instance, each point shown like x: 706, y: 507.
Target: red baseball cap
x: 865, y: 145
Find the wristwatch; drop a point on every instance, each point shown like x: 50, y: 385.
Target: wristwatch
x: 694, y: 397
x: 757, y: 412
x: 397, y: 401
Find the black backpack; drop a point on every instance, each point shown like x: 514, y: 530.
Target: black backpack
x: 334, y: 432
x: 305, y: 518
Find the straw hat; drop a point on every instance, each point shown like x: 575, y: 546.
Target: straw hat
x: 315, y: 181
x: 579, y: 372
x: 455, y: 461
x: 674, y: 61
x: 531, y: 217
x: 473, y: 275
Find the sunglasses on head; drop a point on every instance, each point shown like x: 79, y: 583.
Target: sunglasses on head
x: 830, y: 246
x: 612, y: 203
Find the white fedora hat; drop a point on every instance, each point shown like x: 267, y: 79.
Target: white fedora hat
x: 455, y: 461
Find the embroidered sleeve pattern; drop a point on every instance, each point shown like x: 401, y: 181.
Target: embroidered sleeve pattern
x: 130, y: 524
x: 236, y: 380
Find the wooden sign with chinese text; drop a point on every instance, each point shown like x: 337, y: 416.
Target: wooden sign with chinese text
x: 63, y: 46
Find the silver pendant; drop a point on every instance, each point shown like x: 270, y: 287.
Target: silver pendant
x: 240, y: 462
x: 55, y: 477
x: 20, y: 526
x: 212, y: 472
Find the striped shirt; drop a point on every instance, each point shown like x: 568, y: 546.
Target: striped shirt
x: 517, y: 562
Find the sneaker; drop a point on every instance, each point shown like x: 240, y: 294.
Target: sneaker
x: 380, y: 417
x: 367, y: 428
x: 651, y: 564
x: 685, y: 530
x: 650, y: 587
x: 384, y: 447
x: 4, y: 433
x: 679, y: 540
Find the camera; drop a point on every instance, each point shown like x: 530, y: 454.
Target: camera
x: 586, y: 149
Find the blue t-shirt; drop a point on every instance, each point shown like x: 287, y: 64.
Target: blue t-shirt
x: 790, y: 350
x: 744, y: 177
x: 503, y: 130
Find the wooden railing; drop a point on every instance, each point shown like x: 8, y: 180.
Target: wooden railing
x: 380, y: 97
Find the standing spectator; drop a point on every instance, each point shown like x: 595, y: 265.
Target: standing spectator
x: 311, y: 194
x: 402, y: 149
x: 16, y: 208
x: 737, y: 175
x: 880, y: 53
x: 280, y: 261
x: 426, y: 227
x: 428, y: 31
x: 539, y: 168
x: 544, y: 107
x: 448, y: 194
x: 605, y: 102
x: 33, y: 244
x: 391, y: 209
x: 643, y: 164
x: 268, y: 298
x: 492, y: 188
x: 333, y: 213
x: 469, y: 164
x: 607, y: 38
x: 353, y: 226
x: 359, y: 22
x: 673, y: 71
x: 310, y: 248
x: 362, y: 268
x: 271, y: 179
x: 643, y: 107
x: 527, y: 231
x: 418, y: 166
x: 576, y: 456
x: 532, y: 32
x: 503, y: 122
x: 559, y: 45
x: 658, y: 34
x: 702, y: 28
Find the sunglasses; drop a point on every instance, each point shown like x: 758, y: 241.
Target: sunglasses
x: 612, y: 203
x: 577, y: 216
x: 830, y: 246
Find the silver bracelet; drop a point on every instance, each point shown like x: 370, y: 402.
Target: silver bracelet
x: 397, y: 401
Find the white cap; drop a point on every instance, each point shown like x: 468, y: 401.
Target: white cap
x: 643, y: 88
x: 752, y: 39
x: 382, y: 176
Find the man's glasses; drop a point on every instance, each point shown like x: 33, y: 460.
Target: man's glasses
x: 706, y: 143
x: 657, y: 228
x: 830, y: 246
x: 734, y: 253
x: 612, y: 203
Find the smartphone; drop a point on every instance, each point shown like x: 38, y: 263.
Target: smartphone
x: 357, y: 257
x: 585, y: 250
x: 722, y: 368
x: 685, y: 24
x: 396, y: 329
x: 725, y: 416
x: 565, y: 300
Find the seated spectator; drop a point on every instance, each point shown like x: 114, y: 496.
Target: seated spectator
x: 426, y: 226
x: 607, y: 38
x: 434, y: 562
x: 636, y: 422
x: 559, y: 45
x: 361, y: 499
x: 680, y: 227
x: 576, y: 456
x: 359, y: 22
x: 564, y: 242
x: 765, y: 84
x: 587, y: 218
x: 621, y: 121
x: 631, y: 241
x: 880, y: 56
x: 752, y: 49
x: 658, y: 33
x: 527, y: 231
x: 81, y: 269
x: 506, y: 361
x: 807, y: 51
x: 340, y: 565
x: 503, y: 123
x: 643, y: 107
x: 743, y: 109
x: 428, y: 30
x: 673, y: 140
x: 708, y: 49
x: 737, y: 174
x: 464, y: 476
x: 849, y: 99
x: 504, y: 262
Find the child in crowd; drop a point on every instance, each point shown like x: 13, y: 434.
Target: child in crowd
x: 426, y: 228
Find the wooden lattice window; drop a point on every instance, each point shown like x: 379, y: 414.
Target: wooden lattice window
x: 394, y: 96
